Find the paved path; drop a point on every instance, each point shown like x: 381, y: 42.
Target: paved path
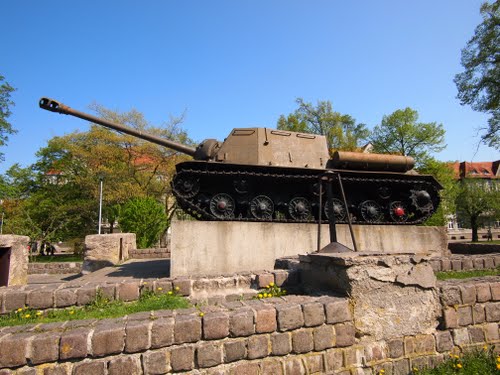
x: 134, y: 269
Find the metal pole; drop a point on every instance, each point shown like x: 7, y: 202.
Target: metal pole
x: 1, y: 225
x: 347, y: 212
x: 331, y: 211
x: 100, y: 204
x: 320, y: 212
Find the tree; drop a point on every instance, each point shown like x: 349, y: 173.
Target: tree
x: 341, y: 131
x: 478, y: 201
x: 5, y: 104
x: 401, y: 133
x: 479, y: 84
x: 146, y: 218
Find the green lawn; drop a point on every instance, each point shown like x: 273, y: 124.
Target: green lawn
x: 445, y: 275
x: 100, y: 308
x: 55, y: 258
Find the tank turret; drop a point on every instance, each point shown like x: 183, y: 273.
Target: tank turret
x: 262, y: 174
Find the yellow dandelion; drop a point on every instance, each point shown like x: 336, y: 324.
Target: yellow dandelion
x: 19, y: 310
x: 271, y: 284
x: 267, y: 286
x: 381, y: 372
x: 265, y: 295
x: 170, y: 292
x: 485, y: 347
x: 38, y: 313
x: 177, y: 288
x: 71, y: 312
x: 260, y: 295
x: 459, y: 365
x: 160, y: 288
x: 498, y: 366
x: 27, y: 315
x: 145, y: 283
x: 202, y: 314
x: 456, y: 356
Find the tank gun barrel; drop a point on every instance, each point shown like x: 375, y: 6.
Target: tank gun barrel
x: 55, y: 106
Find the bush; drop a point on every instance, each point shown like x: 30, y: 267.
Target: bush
x: 146, y: 218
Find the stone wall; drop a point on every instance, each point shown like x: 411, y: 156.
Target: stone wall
x: 466, y: 262
x: 288, y: 335
x: 54, y: 268
x: 162, y: 252
x: 104, y: 250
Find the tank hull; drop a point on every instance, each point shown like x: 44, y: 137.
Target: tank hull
x: 237, y: 192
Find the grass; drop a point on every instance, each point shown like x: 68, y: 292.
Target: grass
x: 55, y: 258
x: 100, y: 308
x: 477, y: 362
x: 445, y: 275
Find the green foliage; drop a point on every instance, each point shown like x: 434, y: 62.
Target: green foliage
x: 146, y: 218
x: 341, y: 131
x: 479, y: 84
x: 446, y: 275
x: 271, y: 290
x: 476, y: 362
x: 5, y: 104
x: 443, y: 172
x: 401, y: 133
x: 478, y: 201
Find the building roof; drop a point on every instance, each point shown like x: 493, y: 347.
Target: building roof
x: 479, y: 169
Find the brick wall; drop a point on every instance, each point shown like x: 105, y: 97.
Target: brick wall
x: 149, y: 253
x: 466, y: 262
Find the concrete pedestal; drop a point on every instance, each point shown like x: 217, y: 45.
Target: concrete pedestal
x: 13, y: 260
x: 391, y: 295
x: 104, y: 250
x: 215, y: 248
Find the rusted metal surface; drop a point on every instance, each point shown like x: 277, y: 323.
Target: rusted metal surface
x: 371, y: 162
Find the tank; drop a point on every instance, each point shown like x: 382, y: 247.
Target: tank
x: 268, y: 175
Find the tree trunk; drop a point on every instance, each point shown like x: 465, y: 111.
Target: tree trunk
x: 474, y: 225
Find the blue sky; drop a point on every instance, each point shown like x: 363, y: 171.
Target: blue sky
x: 235, y: 63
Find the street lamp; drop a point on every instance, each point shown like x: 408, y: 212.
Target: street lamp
x: 101, y: 178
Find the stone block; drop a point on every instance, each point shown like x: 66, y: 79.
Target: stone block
x: 162, y: 286
x: 245, y: 369
x: 375, y: 352
x: 353, y: 356
x: 401, y: 367
x: 445, y: 265
x: 461, y: 336
x: 424, y: 344
x: 467, y: 264
x: 478, y: 263
x: 14, y: 300
x: 87, y: 368
x: 419, y: 364
x: 64, y: 297
x: 337, y: 311
x: 489, y: 263
x: 162, y: 333
x: 73, y: 344
x: 14, y: 350
x: 234, y: 350
x: 495, y: 291
x: 272, y: 367
x: 40, y: 299
x: 265, y: 319
x: 264, y: 279
x: 209, y: 355
x: 108, y: 291
x: 241, y: 323
x: 314, y: 314
x: 395, y: 348
x: 258, y: 346
x: 281, y: 343
x: 478, y: 315
x: 182, y: 358
x: 156, y: 362
x: 435, y: 264
x: 108, y: 338
x: 345, y: 334
x: 444, y: 341
x: 314, y: 364
x: 182, y: 286
x: 294, y: 366
x: 450, y: 317
x: 476, y: 335
x: 464, y: 315
x: 215, y: 325
x: 290, y: 317
x: 128, y: 291
x: 334, y: 359
x: 468, y: 293
x: 450, y: 295
x: 483, y: 292
x: 187, y: 328
x: 124, y: 365
x: 137, y: 336
x: 492, y: 311
x: 302, y: 341
x: 280, y: 277
x: 44, y: 348
x: 107, y: 250
x: 85, y: 295
x: 491, y: 332
x: 456, y: 265
x: 18, y: 260
x: 57, y: 369
x: 323, y: 337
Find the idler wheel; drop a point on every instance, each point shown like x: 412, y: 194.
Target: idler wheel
x: 299, y: 208
x: 422, y: 200
x: 186, y: 186
x: 262, y: 207
x: 338, y: 209
x: 370, y: 211
x: 222, y: 206
x: 398, y: 212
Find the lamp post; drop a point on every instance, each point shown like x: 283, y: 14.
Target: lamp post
x: 101, y: 178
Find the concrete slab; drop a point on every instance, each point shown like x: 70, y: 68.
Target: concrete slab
x: 218, y: 248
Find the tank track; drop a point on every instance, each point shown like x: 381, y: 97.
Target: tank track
x: 198, y: 203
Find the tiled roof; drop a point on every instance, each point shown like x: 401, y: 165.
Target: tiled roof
x: 479, y: 169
